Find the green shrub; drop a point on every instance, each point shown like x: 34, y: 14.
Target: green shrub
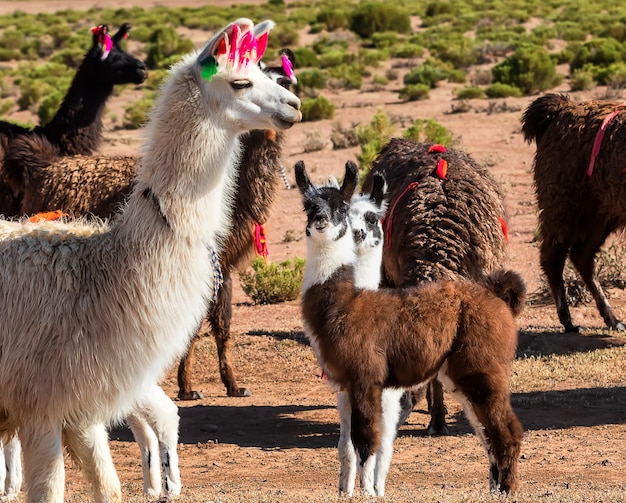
x: 315, y: 109
x: 350, y: 76
x: 372, y: 138
x: 430, y: 131
x: 136, y: 113
x: 498, y: 90
x: 310, y: 79
x: 165, y: 43
x: 385, y: 39
x: 270, y: 283
x: 408, y: 50
x: 582, y: 80
x: 599, y: 52
x: 305, y: 56
x: 31, y: 93
x: 334, y: 57
x: 426, y: 74
x: 375, y: 17
x: 470, y: 93
x: 9, y: 54
x: 49, y: 106
x: 414, y: 92
x: 333, y: 19
x: 529, y: 68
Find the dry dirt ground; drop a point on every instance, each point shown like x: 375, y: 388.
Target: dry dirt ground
x: 280, y: 444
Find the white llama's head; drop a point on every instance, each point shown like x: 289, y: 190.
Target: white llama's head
x: 366, y: 213
x: 327, y: 206
x: 228, y: 68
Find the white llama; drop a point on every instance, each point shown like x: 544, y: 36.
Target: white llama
x: 365, y: 214
x: 92, y: 318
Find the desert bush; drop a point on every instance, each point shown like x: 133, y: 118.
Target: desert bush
x: 305, y: 56
x: 599, y: 52
x: 310, y: 79
x: 612, y: 75
x: 164, y: 43
x: 469, y: 93
x: 314, y: 141
x: 380, y: 80
x: 6, y: 106
x: 342, y: 137
x: 499, y: 90
x: 369, y: 18
x: 385, y: 39
x: 350, y: 76
x: 430, y: 131
x: 270, y: 283
x: 426, y: 74
x: 414, y: 92
x: 582, y: 80
x: 529, y: 68
x: 458, y: 51
x: 407, y: 50
x: 314, y: 109
x: 372, y: 138
x: 136, y: 113
x: 333, y: 18
x: 49, y: 105
x: 31, y: 93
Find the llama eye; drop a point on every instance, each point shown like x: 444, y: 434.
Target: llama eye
x: 370, y: 218
x: 240, y: 84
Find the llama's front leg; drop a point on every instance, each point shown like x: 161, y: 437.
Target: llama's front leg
x: 149, y: 448
x: 391, y: 405
x: 44, y: 471
x: 11, y: 460
x: 347, y: 453
x: 89, y: 447
x: 365, y: 429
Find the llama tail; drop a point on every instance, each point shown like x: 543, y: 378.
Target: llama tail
x: 510, y: 287
x: 540, y: 114
x: 24, y: 156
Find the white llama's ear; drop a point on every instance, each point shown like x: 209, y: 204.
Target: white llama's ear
x: 224, y: 46
x: 331, y: 181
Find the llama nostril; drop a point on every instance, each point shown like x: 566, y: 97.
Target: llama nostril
x: 359, y: 235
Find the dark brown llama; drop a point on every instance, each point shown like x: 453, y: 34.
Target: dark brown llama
x: 367, y: 340
x: 445, y: 220
x: 580, y: 186
x: 76, y: 128
x: 98, y: 186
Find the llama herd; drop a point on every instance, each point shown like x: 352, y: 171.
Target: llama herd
x: 403, y: 287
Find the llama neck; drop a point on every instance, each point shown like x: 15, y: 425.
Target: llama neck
x: 77, y: 126
x: 367, y: 268
x: 326, y: 257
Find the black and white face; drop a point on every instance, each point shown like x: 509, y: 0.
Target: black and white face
x: 367, y: 229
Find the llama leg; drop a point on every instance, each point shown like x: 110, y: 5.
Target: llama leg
x: 13, y: 462
x: 184, y: 373
x: 347, y: 453
x: 391, y: 405
x: 552, y: 258
x: 89, y: 447
x: 220, y: 317
x: 44, y: 472
x: 486, y: 402
x: 365, y: 430
x: 149, y: 447
x: 161, y: 413
x: 3, y: 471
x: 437, y: 409
x: 583, y: 254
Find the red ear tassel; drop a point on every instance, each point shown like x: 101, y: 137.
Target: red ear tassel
x: 260, y: 241
x: 442, y: 169
x: 505, y: 228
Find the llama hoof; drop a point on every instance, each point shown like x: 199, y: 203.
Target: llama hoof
x: 192, y: 395
x: 240, y: 392
x: 619, y: 326
x: 574, y: 329
x: 437, y: 430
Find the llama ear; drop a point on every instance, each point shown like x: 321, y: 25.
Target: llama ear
x: 102, y: 38
x: 261, y: 34
x: 379, y: 189
x: 302, y: 179
x: 121, y: 33
x: 350, y: 181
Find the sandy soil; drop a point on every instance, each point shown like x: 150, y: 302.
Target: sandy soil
x: 280, y: 443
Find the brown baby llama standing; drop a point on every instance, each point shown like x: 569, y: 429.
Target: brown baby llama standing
x: 581, y: 189
x: 445, y: 220
x: 367, y: 340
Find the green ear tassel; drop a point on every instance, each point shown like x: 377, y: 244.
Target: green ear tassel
x: 208, y: 68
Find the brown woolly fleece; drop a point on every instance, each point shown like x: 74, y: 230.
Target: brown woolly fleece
x: 371, y: 339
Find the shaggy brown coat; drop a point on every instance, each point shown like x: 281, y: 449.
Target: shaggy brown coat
x: 577, y: 212
x: 449, y: 226
x: 370, y: 340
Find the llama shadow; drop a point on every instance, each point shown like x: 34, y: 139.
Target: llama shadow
x: 292, y: 335
x: 263, y: 427
x: 541, y: 342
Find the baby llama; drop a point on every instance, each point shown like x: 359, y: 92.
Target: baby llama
x: 368, y: 340
x: 119, y: 304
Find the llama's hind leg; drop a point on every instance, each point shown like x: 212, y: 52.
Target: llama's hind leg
x: 437, y: 409
x: 44, y: 471
x: 11, y: 460
x: 89, y: 447
x: 391, y: 405
x: 552, y: 258
x: 487, y: 404
x: 583, y: 255
x: 347, y: 453
x: 365, y: 430
x: 220, y: 317
x: 149, y: 448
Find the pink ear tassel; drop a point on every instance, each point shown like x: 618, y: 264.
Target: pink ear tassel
x: 288, y: 68
x: 107, y: 45
x: 261, y: 46
x: 234, y: 42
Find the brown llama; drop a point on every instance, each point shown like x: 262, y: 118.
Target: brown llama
x: 580, y: 188
x: 76, y: 128
x: 445, y: 220
x: 368, y: 340
x: 99, y: 185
